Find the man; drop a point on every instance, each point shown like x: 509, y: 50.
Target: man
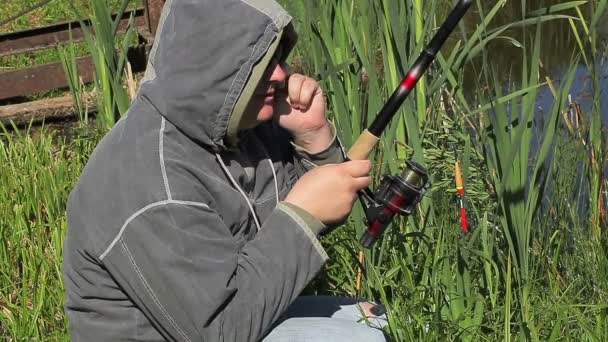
x: 195, y: 218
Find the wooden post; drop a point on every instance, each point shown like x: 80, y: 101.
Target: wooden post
x: 153, y: 10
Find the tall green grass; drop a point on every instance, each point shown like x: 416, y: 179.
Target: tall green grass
x: 38, y: 171
x: 68, y: 57
x: 101, y: 40
x: 437, y: 282
x: 534, y: 264
x: 37, y: 175
x: 597, y: 153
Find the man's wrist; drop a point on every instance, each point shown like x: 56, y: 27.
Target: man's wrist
x: 317, y: 140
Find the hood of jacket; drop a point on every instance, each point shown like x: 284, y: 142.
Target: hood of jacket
x: 207, y: 60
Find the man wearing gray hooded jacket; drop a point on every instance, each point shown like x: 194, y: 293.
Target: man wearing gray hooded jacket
x: 196, y: 217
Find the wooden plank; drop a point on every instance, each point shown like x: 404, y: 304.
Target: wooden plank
x: 13, y: 43
x: 46, y: 77
x: 42, y: 110
x: 40, y: 78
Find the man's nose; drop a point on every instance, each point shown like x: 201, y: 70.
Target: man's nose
x: 279, y: 73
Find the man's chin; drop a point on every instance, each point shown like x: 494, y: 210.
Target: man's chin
x: 261, y: 118
x: 265, y: 114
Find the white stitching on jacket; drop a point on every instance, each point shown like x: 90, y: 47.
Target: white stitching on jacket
x: 162, y: 157
x: 152, y: 294
x: 141, y: 211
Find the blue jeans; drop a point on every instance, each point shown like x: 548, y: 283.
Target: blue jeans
x: 326, y: 319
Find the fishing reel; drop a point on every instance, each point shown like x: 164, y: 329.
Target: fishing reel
x: 396, y: 195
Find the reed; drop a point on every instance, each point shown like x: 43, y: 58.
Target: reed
x: 533, y: 265
x: 101, y: 39
x: 39, y: 169
x: 437, y: 282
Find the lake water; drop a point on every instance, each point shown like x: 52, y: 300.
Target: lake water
x: 558, y: 46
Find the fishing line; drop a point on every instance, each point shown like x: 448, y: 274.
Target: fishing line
x: 24, y: 12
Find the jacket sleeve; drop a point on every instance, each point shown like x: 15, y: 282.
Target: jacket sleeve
x: 182, y: 267
x: 306, y: 160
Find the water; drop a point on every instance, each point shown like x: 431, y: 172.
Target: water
x: 558, y: 46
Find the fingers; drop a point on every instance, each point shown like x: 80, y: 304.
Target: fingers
x: 310, y: 89
x: 366, y: 307
x: 357, y: 168
x: 294, y: 87
x: 359, y: 171
x: 362, y: 182
x: 371, y: 310
x: 302, y: 90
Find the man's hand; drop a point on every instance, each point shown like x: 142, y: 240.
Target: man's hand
x: 301, y: 111
x: 328, y: 192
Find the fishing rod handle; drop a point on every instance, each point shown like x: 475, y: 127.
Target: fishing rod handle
x: 363, y: 146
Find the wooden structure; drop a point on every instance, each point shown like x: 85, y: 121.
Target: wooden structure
x: 23, y: 82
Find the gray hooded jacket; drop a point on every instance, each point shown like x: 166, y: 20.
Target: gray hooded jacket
x: 175, y: 228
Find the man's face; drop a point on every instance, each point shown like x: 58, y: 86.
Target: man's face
x: 262, y: 103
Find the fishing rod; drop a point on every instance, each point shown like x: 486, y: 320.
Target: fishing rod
x: 398, y: 194
x: 370, y: 137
